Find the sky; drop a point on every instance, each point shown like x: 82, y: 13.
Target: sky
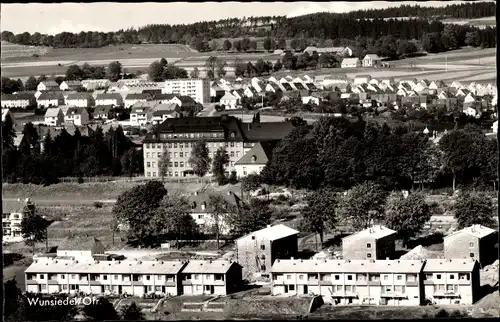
x: 54, y: 18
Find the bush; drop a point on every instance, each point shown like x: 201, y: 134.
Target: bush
x: 222, y: 180
x: 232, y: 178
x: 98, y: 204
x: 80, y: 180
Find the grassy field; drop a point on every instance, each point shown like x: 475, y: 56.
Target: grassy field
x: 481, y: 22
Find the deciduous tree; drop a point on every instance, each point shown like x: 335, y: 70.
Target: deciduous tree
x: 226, y: 45
x: 132, y: 312
x: 473, y: 208
x: 254, y: 216
x: 319, y: 214
x: 200, y: 159
x: 155, y: 72
x: 163, y: 165
x: 114, y: 71
x: 34, y: 229
x: 220, y: 161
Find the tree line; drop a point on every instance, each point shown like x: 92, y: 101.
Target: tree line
x: 43, y: 160
x: 319, y: 25
x: 340, y: 152
x: 152, y: 214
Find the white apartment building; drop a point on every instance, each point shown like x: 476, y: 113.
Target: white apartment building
x: 12, y: 216
x: 197, y: 89
x: 359, y: 282
x: 219, y: 277
x: 135, y: 278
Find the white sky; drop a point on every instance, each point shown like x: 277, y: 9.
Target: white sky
x: 106, y: 16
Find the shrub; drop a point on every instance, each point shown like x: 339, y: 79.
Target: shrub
x: 98, y: 204
x: 232, y: 178
x: 80, y: 180
x: 222, y: 180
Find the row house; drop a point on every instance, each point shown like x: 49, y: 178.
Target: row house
x: 162, y: 98
x: 358, y: 282
x: 54, y: 116
x: 135, y: 278
x: 376, y: 242
x: 257, y: 85
x: 113, y: 99
x: 362, y: 79
x: 70, y: 85
x: 379, y: 282
x: 47, y: 85
x: 250, y: 92
x: 162, y: 115
x: 50, y: 100
x: 13, y: 212
x: 272, y: 87
x: 202, y: 212
x: 80, y: 100
x: 95, y: 84
x: 18, y: 100
x: 132, y: 99
x: 257, y: 251
x: 218, y: 277
x: 77, y: 115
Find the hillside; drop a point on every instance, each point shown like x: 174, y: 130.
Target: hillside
x: 10, y: 50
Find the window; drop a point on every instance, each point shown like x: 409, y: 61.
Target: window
x: 399, y: 277
x: 181, y: 145
x: 411, y: 278
x: 63, y: 276
x: 153, y: 154
x: 73, y: 276
x: 232, y: 154
x: 237, y: 154
x: 170, y: 164
x: 232, y: 144
x: 244, y: 171
x: 428, y: 277
x: 253, y: 237
x: 301, y: 277
x: 337, y: 277
x: 471, y: 244
x: 42, y: 276
x: 147, y: 154
x: 175, y: 154
x: 44, y: 286
x: 438, y: 276
x: 170, y: 145
x: 399, y: 288
x: 181, y: 164
x: 452, y: 276
x: 464, y: 276
x: 262, y: 247
x: 153, y: 164
x: 471, y: 254
x: 116, y: 277
x: 148, y: 174
x: 349, y: 277
x: 175, y: 145
x: 148, y: 164
x: 196, y: 276
x: 159, y: 154
x: 291, y: 287
x: 289, y: 277
x: 105, y: 277
x: 181, y: 155
x: 148, y: 277
x: 449, y: 287
x: 368, y: 255
x: 369, y: 245
x: 176, y: 164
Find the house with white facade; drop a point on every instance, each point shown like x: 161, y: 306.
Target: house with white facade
x: 80, y: 100
x: 196, y: 88
x: 13, y: 212
x: 80, y: 248
x: 54, y: 116
x: 77, y: 115
x: 50, y: 100
x: 132, y: 99
x: 350, y: 63
x: 371, y: 60
x: 70, y: 85
x: 93, y: 84
x: 113, y: 99
x: 218, y: 277
x: 18, y: 100
x: 47, y: 85
x: 255, y: 159
x: 229, y: 100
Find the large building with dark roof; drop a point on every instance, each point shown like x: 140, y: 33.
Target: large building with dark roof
x: 177, y: 137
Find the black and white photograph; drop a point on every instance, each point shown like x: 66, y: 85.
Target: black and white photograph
x: 249, y: 161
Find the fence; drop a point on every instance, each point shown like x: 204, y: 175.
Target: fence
x: 134, y: 179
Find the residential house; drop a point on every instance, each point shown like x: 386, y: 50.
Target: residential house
x: 50, y: 100
x: 350, y: 63
x: 272, y: 87
x: 371, y: 60
x: 470, y: 98
x: 310, y: 100
x: 95, y: 84
x: 163, y: 98
x: 160, y: 116
x: 257, y: 84
x: 451, y: 281
x: 443, y: 95
x: 341, y: 51
x: 238, y: 93
x: 229, y: 101
x: 202, y: 212
x: 299, y: 86
x: 257, y: 251
x: 476, y: 242
x: 250, y: 92
x: 18, y: 100
x: 376, y: 242
x: 437, y: 85
x: 80, y: 100
x: 356, y: 282
x: 80, y: 248
x: 132, y: 99
x: 102, y: 112
x: 217, y: 277
x: 133, y: 278
x: 13, y: 212
x: 421, y: 86
x: 54, y: 116
x: 113, y: 99
x: 47, y: 85
x: 310, y: 86
x: 457, y: 85
x: 253, y: 161
x: 141, y: 114
x: 216, y: 92
x: 70, y: 85
x: 77, y: 115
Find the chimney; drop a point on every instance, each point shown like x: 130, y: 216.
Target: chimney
x: 196, y: 193
x: 278, y: 260
x: 387, y: 258
x: 268, y: 226
x: 291, y: 258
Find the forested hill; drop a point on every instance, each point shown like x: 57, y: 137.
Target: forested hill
x: 315, y: 27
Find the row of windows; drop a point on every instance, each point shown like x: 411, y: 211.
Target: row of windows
x: 95, y: 277
x: 350, y: 277
x: 191, y: 144
x: 154, y: 155
x: 461, y: 276
x: 448, y: 288
x: 194, y: 135
x: 14, y: 216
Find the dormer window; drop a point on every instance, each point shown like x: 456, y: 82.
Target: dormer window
x: 193, y: 205
x: 254, y: 158
x: 203, y: 206
x: 233, y: 134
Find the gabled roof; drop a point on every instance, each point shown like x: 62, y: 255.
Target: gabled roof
x: 73, y: 83
x: 75, y: 111
x: 272, y: 232
x: 228, y: 96
x: 375, y: 232
x: 102, y: 109
x: 17, y: 97
x: 477, y: 231
x: 186, y: 99
x: 346, y: 266
x: 138, y: 96
x: 208, y: 267
x: 49, y: 83
x: 108, y: 96
x: 350, y: 60
x: 52, y: 112
x: 260, y: 153
x: 50, y: 96
x: 158, y: 97
x: 449, y: 265
x: 200, y: 199
x: 78, y: 96
x: 372, y: 57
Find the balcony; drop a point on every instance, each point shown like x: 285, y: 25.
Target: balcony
x: 325, y: 282
x: 374, y: 283
x: 170, y: 283
x: 428, y: 282
x: 83, y: 282
x: 52, y: 282
x: 95, y: 282
x: 32, y: 282
x: 344, y: 294
x: 279, y: 282
x: 393, y: 295
x: 187, y: 282
x: 219, y: 283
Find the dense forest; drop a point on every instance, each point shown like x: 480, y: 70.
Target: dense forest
x: 315, y: 27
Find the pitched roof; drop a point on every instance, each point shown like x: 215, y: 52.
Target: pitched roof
x: 208, y: 267
x: 346, y: 266
x: 73, y: 83
x: 165, y: 107
x: 186, y: 99
x: 449, y: 265
x: 78, y: 96
x: 372, y: 57
x: 350, y: 60
x: 137, y: 96
x: 108, y: 96
x: 201, y: 198
x: 228, y: 96
x: 260, y: 153
x: 52, y: 112
x: 75, y: 111
x: 50, y: 83
x: 266, y: 131
x: 163, y: 96
x: 477, y: 231
x: 50, y: 96
x: 17, y: 97
x: 375, y: 232
x: 105, y: 267
x: 272, y: 232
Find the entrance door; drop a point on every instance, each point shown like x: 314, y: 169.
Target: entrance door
x: 163, y: 289
x: 286, y: 288
x: 306, y: 290
x: 39, y: 288
x: 120, y: 290
x: 102, y: 289
x: 212, y: 289
x: 145, y: 290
